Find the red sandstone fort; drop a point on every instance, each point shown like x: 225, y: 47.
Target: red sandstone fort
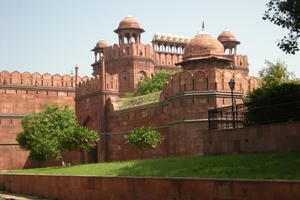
x: 180, y: 115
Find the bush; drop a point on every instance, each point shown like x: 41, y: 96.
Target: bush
x: 143, y: 138
x: 149, y: 85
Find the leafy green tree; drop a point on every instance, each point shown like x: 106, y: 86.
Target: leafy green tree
x: 149, y: 85
x: 144, y: 137
x: 54, y: 130
x: 285, y: 13
x: 277, y: 100
x: 275, y: 74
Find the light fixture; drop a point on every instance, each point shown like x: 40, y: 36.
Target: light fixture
x: 231, y: 84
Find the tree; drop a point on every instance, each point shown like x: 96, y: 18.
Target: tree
x: 275, y: 74
x: 144, y: 137
x: 54, y: 130
x: 149, y: 85
x: 285, y: 13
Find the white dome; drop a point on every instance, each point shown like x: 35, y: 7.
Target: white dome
x: 175, y: 37
x: 163, y: 36
x: 181, y: 38
x: 187, y: 39
x: 157, y: 35
x: 170, y: 36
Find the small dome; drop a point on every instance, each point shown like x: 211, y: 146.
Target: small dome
x: 175, y: 37
x: 129, y: 22
x: 163, y: 36
x: 181, y: 38
x: 203, y: 45
x: 157, y: 35
x: 170, y: 36
x: 187, y: 39
x: 101, y: 44
x: 226, y: 36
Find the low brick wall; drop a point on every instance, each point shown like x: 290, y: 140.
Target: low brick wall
x: 91, y: 187
x: 264, y: 138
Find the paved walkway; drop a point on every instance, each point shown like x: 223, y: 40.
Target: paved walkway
x: 12, y: 196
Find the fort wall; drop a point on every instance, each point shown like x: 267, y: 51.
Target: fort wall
x: 180, y: 115
x: 20, y: 94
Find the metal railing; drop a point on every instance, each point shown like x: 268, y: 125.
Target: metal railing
x: 274, y: 110
x: 224, y: 118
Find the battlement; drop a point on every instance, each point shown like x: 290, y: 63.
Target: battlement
x: 214, y: 80
x: 241, y: 61
x: 132, y: 49
x: 36, y: 79
x: 88, y: 86
x: 94, y: 84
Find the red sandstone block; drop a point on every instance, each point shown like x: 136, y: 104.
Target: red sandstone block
x: 264, y: 132
x: 292, y: 129
x: 292, y: 143
x: 207, y: 136
x: 207, y: 148
x: 203, y: 189
x: 277, y: 131
x: 282, y: 191
x: 75, y: 182
x: 157, y: 186
x: 107, y: 184
x: 52, y: 193
x: 250, y: 190
x: 231, y: 146
x: 63, y: 182
x: 217, y: 146
x: 65, y: 193
x: 215, y: 136
x: 119, y: 185
x: 223, y: 189
x: 224, y: 147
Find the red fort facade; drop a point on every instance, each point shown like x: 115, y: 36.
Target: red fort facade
x: 180, y: 115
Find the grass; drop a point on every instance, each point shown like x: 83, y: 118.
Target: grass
x: 140, y: 100
x: 279, y: 165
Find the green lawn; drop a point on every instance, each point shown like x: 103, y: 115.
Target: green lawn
x: 280, y: 165
x: 139, y: 100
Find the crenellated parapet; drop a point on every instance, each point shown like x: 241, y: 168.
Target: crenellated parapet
x: 36, y: 79
x: 132, y: 49
x: 88, y: 86
x: 94, y: 84
x: 241, y: 63
x: 201, y: 81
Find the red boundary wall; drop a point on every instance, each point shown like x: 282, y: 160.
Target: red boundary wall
x: 264, y: 138
x: 92, y: 187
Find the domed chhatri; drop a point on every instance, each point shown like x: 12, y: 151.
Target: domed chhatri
x: 229, y: 42
x: 129, y: 31
x: 101, y: 44
x: 129, y: 22
x: 226, y: 35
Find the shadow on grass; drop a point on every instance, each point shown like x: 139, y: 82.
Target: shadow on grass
x: 282, y: 165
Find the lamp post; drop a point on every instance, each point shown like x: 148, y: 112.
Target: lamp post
x: 231, y: 84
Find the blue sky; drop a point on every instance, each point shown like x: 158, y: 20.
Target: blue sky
x: 55, y: 36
